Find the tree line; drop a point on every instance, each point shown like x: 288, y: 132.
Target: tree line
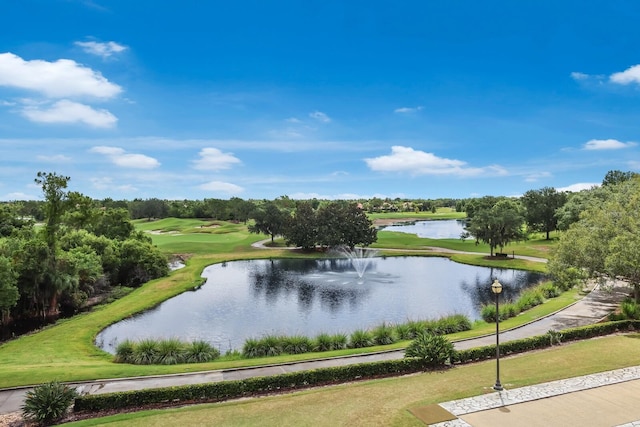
x: 79, y: 251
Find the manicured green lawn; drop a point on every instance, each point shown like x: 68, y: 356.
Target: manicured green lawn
x: 386, y: 402
x: 66, y: 352
x: 441, y: 213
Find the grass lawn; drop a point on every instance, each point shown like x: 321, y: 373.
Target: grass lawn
x: 386, y: 402
x: 66, y: 352
x: 441, y: 213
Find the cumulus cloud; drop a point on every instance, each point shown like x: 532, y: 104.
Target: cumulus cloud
x: 106, y: 183
x: 120, y: 157
x: 320, y: 116
x: 416, y: 162
x: 214, y: 159
x: 407, y: 110
x: 59, y: 79
x: 628, y: 76
x: 104, y: 50
x: 18, y: 196
x: 222, y: 187
x: 607, y: 144
x: 574, y: 188
x: 65, y: 111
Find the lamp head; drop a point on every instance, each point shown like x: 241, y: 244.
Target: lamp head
x: 496, y: 287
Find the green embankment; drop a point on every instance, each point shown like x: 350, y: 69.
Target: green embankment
x: 66, y: 352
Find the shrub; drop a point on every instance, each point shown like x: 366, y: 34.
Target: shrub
x: 323, y: 342
x: 47, y: 403
x: 529, y: 298
x: 549, y: 290
x: 630, y: 309
x: 433, y: 350
x: 271, y: 345
x: 170, y: 351
x: 339, y: 341
x: 251, y: 348
x: 452, y: 324
x: 125, y: 351
x: 383, y: 335
x: 200, y: 351
x: 145, y: 352
x: 404, y: 332
x: 360, y: 339
x: 296, y: 344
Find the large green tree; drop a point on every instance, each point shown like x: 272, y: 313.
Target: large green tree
x: 302, y: 228
x: 540, y: 208
x: 270, y: 220
x: 605, y: 241
x: 498, y: 225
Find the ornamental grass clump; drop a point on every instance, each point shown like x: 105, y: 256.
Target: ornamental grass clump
x: 297, y: 344
x: 360, y: 338
x: 48, y: 403
x: 200, y: 351
x: 169, y: 351
x: 383, y: 335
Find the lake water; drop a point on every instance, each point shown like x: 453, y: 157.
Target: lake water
x: 250, y: 299
x: 436, y: 229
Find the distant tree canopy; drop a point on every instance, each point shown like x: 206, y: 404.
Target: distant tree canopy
x: 497, y: 225
x: 81, y: 250
x: 540, y: 208
x: 605, y: 241
x: 331, y: 224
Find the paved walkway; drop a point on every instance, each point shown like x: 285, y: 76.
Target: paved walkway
x: 596, y: 305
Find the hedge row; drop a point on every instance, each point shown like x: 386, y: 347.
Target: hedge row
x: 219, y: 391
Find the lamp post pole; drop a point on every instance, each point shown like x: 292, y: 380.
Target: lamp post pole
x: 496, y: 288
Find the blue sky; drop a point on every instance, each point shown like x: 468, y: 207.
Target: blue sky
x: 329, y: 99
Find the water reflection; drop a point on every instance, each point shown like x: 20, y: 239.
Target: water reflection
x: 432, y: 229
x: 244, y: 299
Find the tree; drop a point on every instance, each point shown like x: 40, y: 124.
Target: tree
x: 302, y: 228
x: 614, y: 177
x: 540, y: 208
x: 113, y: 224
x: 8, y: 288
x: 342, y: 223
x: 53, y: 186
x: 269, y: 220
x: 497, y: 226
x: 605, y: 242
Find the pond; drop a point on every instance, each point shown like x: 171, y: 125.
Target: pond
x: 434, y: 229
x: 250, y: 299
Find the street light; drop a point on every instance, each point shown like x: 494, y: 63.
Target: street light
x: 496, y: 288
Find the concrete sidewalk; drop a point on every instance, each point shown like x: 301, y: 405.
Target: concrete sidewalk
x: 588, y: 310
x: 604, y: 399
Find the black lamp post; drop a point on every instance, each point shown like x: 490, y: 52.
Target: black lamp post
x: 496, y: 288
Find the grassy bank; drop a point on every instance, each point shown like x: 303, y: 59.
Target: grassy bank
x: 66, y: 352
x: 386, y: 402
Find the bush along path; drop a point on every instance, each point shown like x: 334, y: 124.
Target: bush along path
x: 589, y: 310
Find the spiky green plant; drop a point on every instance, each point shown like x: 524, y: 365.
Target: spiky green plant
x: 145, y: 352
x: 384, y: 334
x: 360, y: 339
x: 170, y: 351
x: 47, y: 403
x: 125, y: 351
x: 297, y: 344
x: 434, y: 350
x: 200, y: 351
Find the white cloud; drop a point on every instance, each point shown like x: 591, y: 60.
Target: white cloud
x: 607, y: 144
x: 533, y: 177
x: 630, y: 75
x: 406, y: 159
x: 579, y: 76
x: 65, y: 111
x: 120, y: 157
x: 58, y: 79
x: 407, y: 110
x: 18, y: 196
x: 293, y: 120
x: 58, y: 158
x: 214, y: 159
x: 574, y: 188
x: 105, y: 50
x: 106, y: 183
x: 320, y: 116
x: 222, y: 187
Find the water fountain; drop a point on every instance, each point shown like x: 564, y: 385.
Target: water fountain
x: 360, y: 257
